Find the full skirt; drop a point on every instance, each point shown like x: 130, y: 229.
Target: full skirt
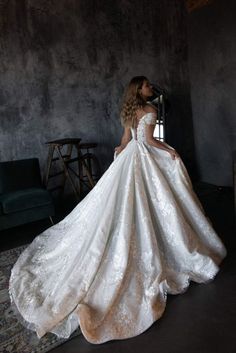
x: 108, y: 266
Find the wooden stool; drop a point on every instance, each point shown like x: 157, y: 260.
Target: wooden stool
x: 90, y: 160
x: 56, y: 146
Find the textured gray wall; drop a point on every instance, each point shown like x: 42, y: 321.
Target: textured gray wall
x: 212, y: 64
x: 64, y: 65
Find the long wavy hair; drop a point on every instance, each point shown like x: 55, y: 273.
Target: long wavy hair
x: 132, y: 101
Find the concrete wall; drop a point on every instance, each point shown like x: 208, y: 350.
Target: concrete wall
x: 64, y: 65
x: 212, y: 66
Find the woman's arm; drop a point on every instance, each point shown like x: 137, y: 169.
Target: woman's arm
x: 153, y: 142
x: 124, y: 140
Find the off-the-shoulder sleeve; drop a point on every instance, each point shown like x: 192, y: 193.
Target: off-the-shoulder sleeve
x: 151, y: 118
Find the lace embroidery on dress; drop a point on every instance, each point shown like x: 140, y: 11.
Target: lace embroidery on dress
x: 138, y: 133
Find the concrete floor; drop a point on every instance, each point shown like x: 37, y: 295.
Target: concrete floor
x: 202, y: 320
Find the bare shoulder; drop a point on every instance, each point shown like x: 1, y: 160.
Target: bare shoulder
x: 150, y: 109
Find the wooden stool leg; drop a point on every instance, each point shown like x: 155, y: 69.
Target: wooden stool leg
x: 51, y: 220
x: 88, y: 173
x: 49, y: 163
x: 69, y: 151
x: 89, y: 164
x: 80, y: 170
x: 67, y: 172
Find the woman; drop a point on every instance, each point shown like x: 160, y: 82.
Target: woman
x: 140, y: 234
x: 134, y: 108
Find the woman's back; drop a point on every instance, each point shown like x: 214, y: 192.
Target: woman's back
x: 139, y: 132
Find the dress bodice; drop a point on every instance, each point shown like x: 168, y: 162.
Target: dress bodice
x: 139, y: 133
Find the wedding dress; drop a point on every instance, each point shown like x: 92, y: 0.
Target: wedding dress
x: 108, y: 266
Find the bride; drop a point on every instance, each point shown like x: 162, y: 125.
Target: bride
x: 140, y: 234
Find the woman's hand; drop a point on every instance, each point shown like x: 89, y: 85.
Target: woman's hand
x: 174, y: 154
x: 118, y: 149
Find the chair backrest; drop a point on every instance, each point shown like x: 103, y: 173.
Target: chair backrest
x: 19, y: 174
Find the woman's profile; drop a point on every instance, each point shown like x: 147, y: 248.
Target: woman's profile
x: 140, y: 234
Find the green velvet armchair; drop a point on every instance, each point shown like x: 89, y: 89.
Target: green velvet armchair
x: 23, y: 198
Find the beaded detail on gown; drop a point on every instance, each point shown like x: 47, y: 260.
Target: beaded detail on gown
x: 108, y: 266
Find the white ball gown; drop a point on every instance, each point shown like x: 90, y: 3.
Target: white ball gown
x: 108, y: 266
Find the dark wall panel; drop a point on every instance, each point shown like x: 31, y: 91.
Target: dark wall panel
x: 212, y: 65
x: 64, y: 65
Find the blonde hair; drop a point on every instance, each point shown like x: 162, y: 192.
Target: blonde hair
x: 132, y: 101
